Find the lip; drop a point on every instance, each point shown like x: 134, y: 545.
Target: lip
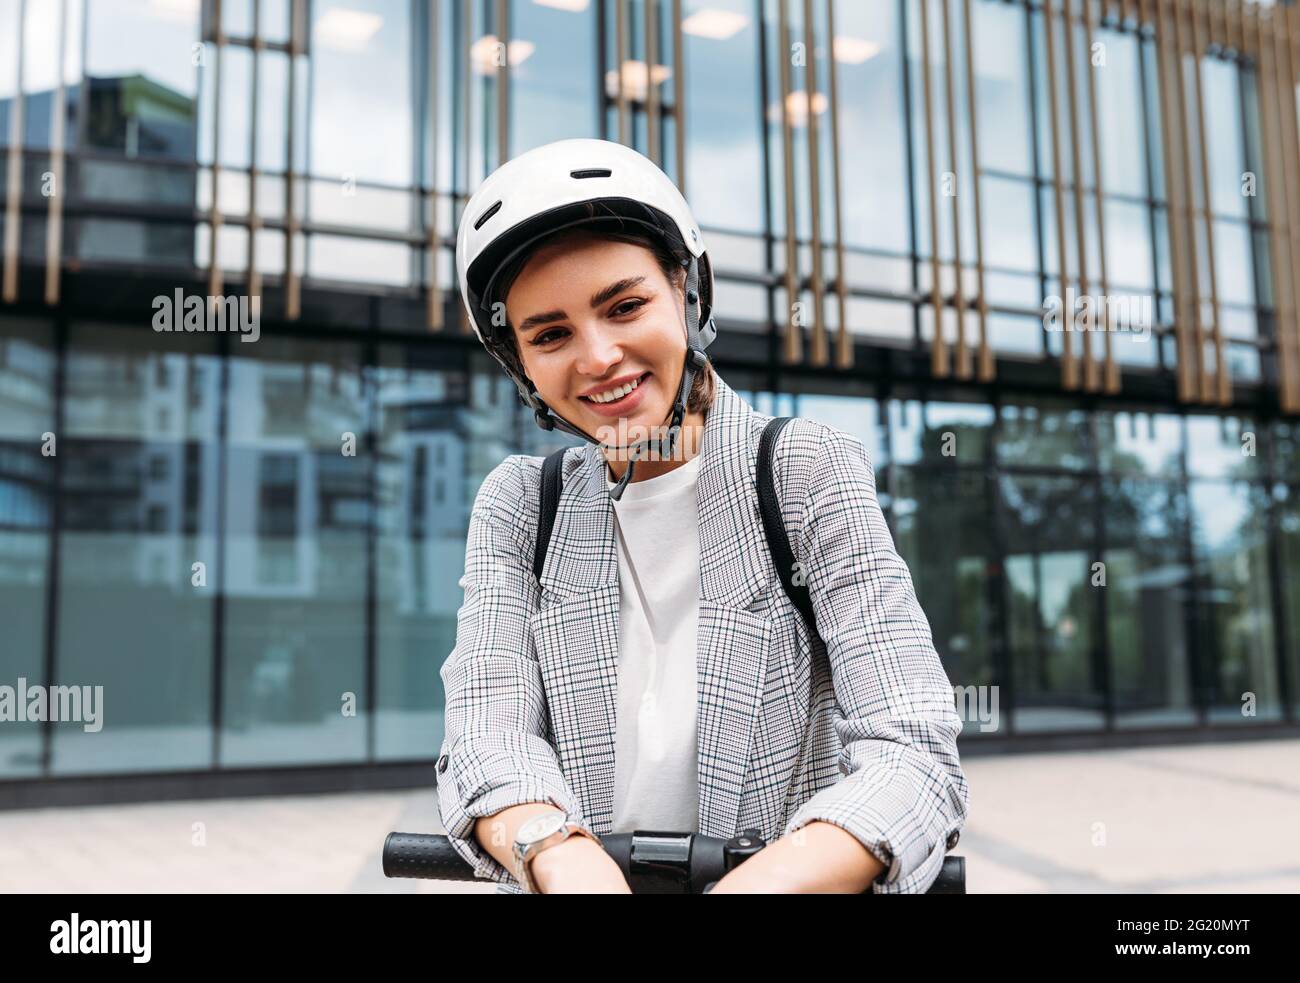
x: 624, y: 406
x: 605, y: 387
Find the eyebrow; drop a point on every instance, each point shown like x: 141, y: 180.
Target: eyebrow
x: 598, y: 298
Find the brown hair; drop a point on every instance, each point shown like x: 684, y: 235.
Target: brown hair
x: 700, y: 399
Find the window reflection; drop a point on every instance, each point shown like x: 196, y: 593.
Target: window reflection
x: 361, y: 76
x: 873, y: 144
x: 724, y: 158
x: 1044, y: 433
x: 296, y: 510
x: 26, y: 493
x: 140, y: 487
x: 1052, y: 602
x: 1148, y: 601
x: 941, y: 522
x: 1237, y: 662
x: 939, y: 432
x: 422, y: 512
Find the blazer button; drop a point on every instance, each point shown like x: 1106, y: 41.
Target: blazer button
x: 442, y: 764
x: 953, y: 837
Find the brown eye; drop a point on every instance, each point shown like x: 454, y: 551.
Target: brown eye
x: 546, y: 337
x: 624, y: 307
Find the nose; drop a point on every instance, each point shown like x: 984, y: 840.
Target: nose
x: 598, y: 352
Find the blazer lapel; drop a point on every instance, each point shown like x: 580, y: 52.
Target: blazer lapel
x: 577, y: 630
x: 733, y: 643
x: 576, y: 636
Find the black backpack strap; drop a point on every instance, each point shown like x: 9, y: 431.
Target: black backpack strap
x: 552, y: 485
x: 778, y: 542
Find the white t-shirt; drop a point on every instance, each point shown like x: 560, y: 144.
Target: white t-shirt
x: 656, y: 781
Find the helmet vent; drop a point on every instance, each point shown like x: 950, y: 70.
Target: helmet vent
x: 487, y: 215
x: 590, y: 172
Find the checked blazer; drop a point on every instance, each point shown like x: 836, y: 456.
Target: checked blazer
x: 859, y: 730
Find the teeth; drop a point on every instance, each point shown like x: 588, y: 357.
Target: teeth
x: 614, y: 394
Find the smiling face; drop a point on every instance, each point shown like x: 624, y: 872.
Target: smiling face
x: 591, y: 317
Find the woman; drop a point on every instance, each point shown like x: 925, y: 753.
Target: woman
x: 657, y: 676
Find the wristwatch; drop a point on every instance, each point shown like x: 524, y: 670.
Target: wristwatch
x: 538, y: 834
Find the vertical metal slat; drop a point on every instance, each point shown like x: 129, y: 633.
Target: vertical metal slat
x: 1111, y: 374
x: 1069, y: 370
x: 939, y: 364
x: 793, y: 351
x: 843, y: 340
x: 962, y: 356
x: 292, y: 226
x: 432, y: 247
x: 985, y: 360
x: 1219, y: 388
x: 820, y: 354
x: 14, y: 176
x: 58, y: 157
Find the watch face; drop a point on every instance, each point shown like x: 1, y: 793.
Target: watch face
x: 540, y: 827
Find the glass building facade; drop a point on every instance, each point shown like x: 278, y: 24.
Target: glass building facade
x: 255, y: 548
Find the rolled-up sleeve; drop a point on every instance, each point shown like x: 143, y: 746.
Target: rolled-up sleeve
x: 902, y: 793
x: 495, y: 753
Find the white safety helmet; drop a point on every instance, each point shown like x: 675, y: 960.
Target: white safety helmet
x: 561, y: 185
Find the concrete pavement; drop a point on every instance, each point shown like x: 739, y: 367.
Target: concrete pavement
x: 1213, y: 818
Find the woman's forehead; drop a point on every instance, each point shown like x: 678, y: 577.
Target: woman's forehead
x: 600, y: 258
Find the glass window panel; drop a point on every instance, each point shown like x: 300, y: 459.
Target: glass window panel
x: 26, y: 475
x: 939, y: 433
x: 356, y: 260
x: 1050, y: 547
x: 1007, y: 208
x: 1286, y: 450
x: 297, y: 508
x: 942, y: 522
x: 552, y: 56
x: 272, y: 104
x: 1224, y: 142
x: 1243, y: 362
x: 1015, y: 335
x: 1046, y: 433
x: 1128, y: 247
x: 143, y: 61
x: 138, y: 551
x: 1119, y: 116
x: 9, y: 39
x: 361, y: 71
x: 1233, y: 265
x: 1289, y: 528
x: 1140, y: 443
x: 113, y: 240
x: 1230, y: 537
x: 422, y: 511
x: 1147, y: 586
x: 1002, y: 81
x: 873, y: 144
x: 1223, y: 447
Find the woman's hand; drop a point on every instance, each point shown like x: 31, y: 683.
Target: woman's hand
x: 578, y: 865
x: 819, y: 858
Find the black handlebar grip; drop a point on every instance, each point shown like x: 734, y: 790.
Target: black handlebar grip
x: 431, y: 856
x: 952, y: 877
x: 424, y: 855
